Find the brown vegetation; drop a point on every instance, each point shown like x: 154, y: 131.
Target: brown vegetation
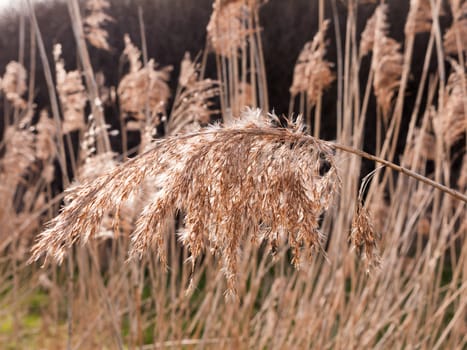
x: 148, y: 247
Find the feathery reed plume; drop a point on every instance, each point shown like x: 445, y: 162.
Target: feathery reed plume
x: 188, y: 71
x: 457, y: 31
x: 367, y: 40
x: 362, y: 234
x: 45, y: 145
x: 387, y: 60
x: 18, y: 153
x: 226, y: 28
x: 312, y: 73
x: 143, y: 87
x: 13, y: 84
x: 18, y: 156
x: 72, y: 94
x: 249, y: 180
x: 451, y: 125
x: 419, y: 19
x: 93, y: 22
x: 192, y: 105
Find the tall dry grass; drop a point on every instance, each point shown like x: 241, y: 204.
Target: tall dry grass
x: 149, y: 246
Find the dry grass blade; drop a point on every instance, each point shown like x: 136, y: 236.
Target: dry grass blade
x: 250, y: 180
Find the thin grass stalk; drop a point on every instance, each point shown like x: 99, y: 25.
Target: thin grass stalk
x: 103, y: 292
x: 204, y: 60
x: 263, y: 85
x: 317, y: 119
x: 103, y: 142
x: 32, y: 69
x: 453, y: 193
x: 421, y: 87
x: 397, y: 114
x: 339, y: 65
x: 244, y: 69
x: 21, y: 50
x: 253, y: 74
x: 231, y: 80
x: 70, y: 299
x: 342, y: 133
x: 52, y: 95
x: 16, y: 323
x: 461, y: 59
x: 145, y: 58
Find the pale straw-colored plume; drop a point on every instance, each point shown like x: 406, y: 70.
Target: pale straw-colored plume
x: 312, y: 73
x: 227, y: 29
x: 457, y: 34
x: 368, y: 36
x: 45, y: 144
x: 96, y: 18
x: 133, y: 54
x: 193, y: 104
x: 250, y: 181
x: 451, y: 125
x: 363, y: 236
x: 13, y: 84
x: 18, y: 154
x: 72, y: 94
x: 188, y: 71
x: 419, y: 19
x: 387, y: 60
x: 143, y: 89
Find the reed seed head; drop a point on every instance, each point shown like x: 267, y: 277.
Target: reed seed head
x: 250, y: 180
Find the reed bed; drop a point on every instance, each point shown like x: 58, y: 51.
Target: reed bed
x: 229, y: 226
